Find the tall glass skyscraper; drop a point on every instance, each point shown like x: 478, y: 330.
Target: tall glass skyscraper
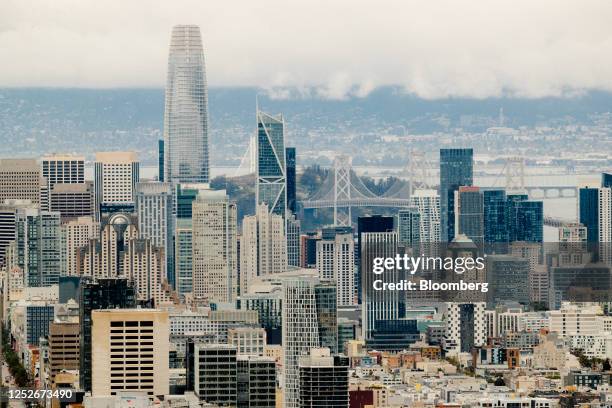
x: 271, y: 170
x: 186, y: 111
x: 495, y: 216
x: 456, y: 169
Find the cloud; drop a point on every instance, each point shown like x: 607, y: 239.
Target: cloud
x: 317, y: 48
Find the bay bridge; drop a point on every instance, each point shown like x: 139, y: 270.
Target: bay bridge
x: 343, y: 189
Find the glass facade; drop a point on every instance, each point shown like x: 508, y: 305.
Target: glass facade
x: 186, y: 109
x: 456, y: 169
x: 271, y: 177
x: 291, y: 180
x: 409, y: 226
x: 495, y: 220
x: 589, y: 212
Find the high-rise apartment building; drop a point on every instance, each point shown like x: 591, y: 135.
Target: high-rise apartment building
x: 300, y: 332
x: 293, y: 229
x: 115, y: 177
x: 186, y: 156
x: 327, y: 314
x: 469, y: 213
x: 74, y: 235
x: 271, y: 168
x: 263, y: 246
x: 214, y: 247
x: 37, y: 239
x: 102, y: 294
x: 409, y: 226
x: 336, y: 261
x: 427, y: 202
x: 129, y: 351
x: 183, y: 256
x: 605, y: 224
x: 8, y: 213
x: 20, y: 179
x: 154, y: 210
x: 324, y: 379
x: 456, y: 169
x: 465, y: 326
x: 63, y: 169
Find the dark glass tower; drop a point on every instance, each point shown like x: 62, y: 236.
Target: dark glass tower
x: 327, y: 315
x: 374, y: 223
x: 456, y: 169
x: 526, y: 219
x: 160, y: 160
x: 291, y: 181
x: 495, y: 216
x: 471, y: 213
x: 589, y: 212
x: 105, y: 294
x: 606, y: 180
x: 271, y: 177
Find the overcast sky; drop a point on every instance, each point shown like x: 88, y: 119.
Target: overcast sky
x: 328, y: 48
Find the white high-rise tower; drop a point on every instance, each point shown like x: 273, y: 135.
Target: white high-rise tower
x: 186, y: 111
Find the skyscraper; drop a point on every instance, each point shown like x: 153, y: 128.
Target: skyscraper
x: 291, y: 179
x: 72, y: 200
x: 263, y: 246
x: 214, y: 247
x: 409, y: 226
x: 186, y: 109
x: 374, y: 223
x: 293, y: 240
x: 75, y: 234
x: 271, y: 170
x: 469, y: 213
x: 379, y: 304
x: 64, y: 169
x: 588, y: 207
x: 104, y: 294
x: 495, y: 216
x: 525, y: 219
x: 336, y: 261
x: 20, y: 179
x: 160, y: 160
x: 116, y: 175
x: 154, y: 209
x: 300, y: 332
x: 427, y: 203
x: 456, y: 169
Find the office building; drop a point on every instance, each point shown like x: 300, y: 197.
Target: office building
x: 465, y: 327
x: 574, y: 232
x: 103, y: 294
x: 290, y: 162
x: 327, y: 314
x: 393, y: 335
x: 115, y: 177
x: 8, y: 219
x: 249, y: 341
x: 21, y: 179
x: 160, y: 160
x: 300, y: 332
x: 379, y: 304
x: 267, y: 301
x: 63, y: 169
x: 74, y: 235
x: 456, y: 169
x: 186, y: 153
x: 374, y: 223
x: 324, y: 380
x: 308, y: 249
x: 605, y: 225
x: 427, y: 203
x: 154, y: 210
x: 72, y: 200
x: 129, y: 351
x: 263, y: 246
x: 64, y: 348
x: 293, y: 229
x: 469, y: 213
x: 214, y: 247
x: 573, y: 320
x: 183, y: 256
x: 495, y: 217
x: 525, y: 219
x: 336, y: 262
x: 37, y: 240
x: 215, y: 374
x: 606, y: 180
x: 409, y: 226
x: 588, y: 208
x: 271, y: 168
x: 256, y: 382
x: 508, y: 278
x: 143, y: 264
